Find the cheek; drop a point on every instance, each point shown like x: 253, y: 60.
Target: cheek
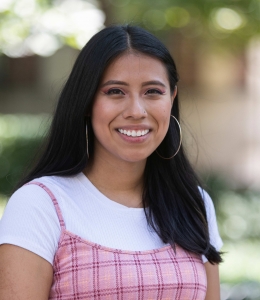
x: 97, y: 108
x: 97, y: 117
x: 165, y: 124
x: 99, y: 111
x: 102, y: 115
x: 164, y: 116
x: 104, y: 108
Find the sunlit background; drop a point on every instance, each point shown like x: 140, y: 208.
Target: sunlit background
x: 216, y: 46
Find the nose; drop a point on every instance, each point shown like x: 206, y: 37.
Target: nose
x: 134, y: 108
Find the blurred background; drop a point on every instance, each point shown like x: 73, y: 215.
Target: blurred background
x: 216, y: 46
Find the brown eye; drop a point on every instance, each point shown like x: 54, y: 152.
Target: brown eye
x: 115, y: 92
x: 154, y: 91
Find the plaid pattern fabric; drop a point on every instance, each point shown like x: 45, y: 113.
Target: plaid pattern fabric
x: 85, y: 270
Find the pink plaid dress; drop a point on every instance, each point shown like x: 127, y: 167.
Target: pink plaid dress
x: 85, y: 270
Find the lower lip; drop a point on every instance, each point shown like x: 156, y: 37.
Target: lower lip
x: 133, y: 139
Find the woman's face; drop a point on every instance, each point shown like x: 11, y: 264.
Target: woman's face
x: 132, y: 107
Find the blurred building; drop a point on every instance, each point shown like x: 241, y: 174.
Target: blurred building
x: 31, y: 84
x: 223, y: 114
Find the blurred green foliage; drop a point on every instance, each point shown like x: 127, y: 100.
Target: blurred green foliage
x: 238, y: 210
x: 226, y: 22
x: 41, y: 27
x: 20, y: 136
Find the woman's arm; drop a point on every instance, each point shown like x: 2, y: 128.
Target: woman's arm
x: 213, y: 285
x: 23, y: 274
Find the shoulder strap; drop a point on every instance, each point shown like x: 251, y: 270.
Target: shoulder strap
x: 54, y: 201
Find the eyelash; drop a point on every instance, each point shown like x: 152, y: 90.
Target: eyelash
x: 154, y: 91
x: 114, y: 91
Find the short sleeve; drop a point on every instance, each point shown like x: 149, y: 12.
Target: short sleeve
x: 214, y: 236
x: 30, y: 221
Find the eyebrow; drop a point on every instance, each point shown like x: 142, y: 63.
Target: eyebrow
x: 152, y: 82
x: 110, y: 82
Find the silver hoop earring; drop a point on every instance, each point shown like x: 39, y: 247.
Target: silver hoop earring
x: 87, y: 139
x: 179, y: 143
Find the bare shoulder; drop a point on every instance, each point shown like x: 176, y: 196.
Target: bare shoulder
x: 213, y: 284
x: 23, y: 274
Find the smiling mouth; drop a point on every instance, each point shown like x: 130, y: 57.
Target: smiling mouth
x: 134, y: 133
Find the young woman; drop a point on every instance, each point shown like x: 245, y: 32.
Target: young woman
x: 113, y: 209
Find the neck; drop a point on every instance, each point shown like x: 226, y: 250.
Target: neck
x: 120, y: 181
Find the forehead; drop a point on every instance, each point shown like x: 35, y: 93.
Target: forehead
x: 136, y: 65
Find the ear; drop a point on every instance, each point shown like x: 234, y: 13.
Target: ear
x: 174, y: 94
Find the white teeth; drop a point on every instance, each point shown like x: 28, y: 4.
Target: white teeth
x: 133, y: 133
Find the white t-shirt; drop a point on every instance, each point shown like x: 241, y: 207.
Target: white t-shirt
x: 31, y: 222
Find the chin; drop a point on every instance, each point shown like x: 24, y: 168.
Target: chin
x: 135, y: 158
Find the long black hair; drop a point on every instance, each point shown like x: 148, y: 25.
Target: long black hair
x: 176, y: 207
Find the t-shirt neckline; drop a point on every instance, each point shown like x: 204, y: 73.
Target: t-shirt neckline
x: 105, y: 200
